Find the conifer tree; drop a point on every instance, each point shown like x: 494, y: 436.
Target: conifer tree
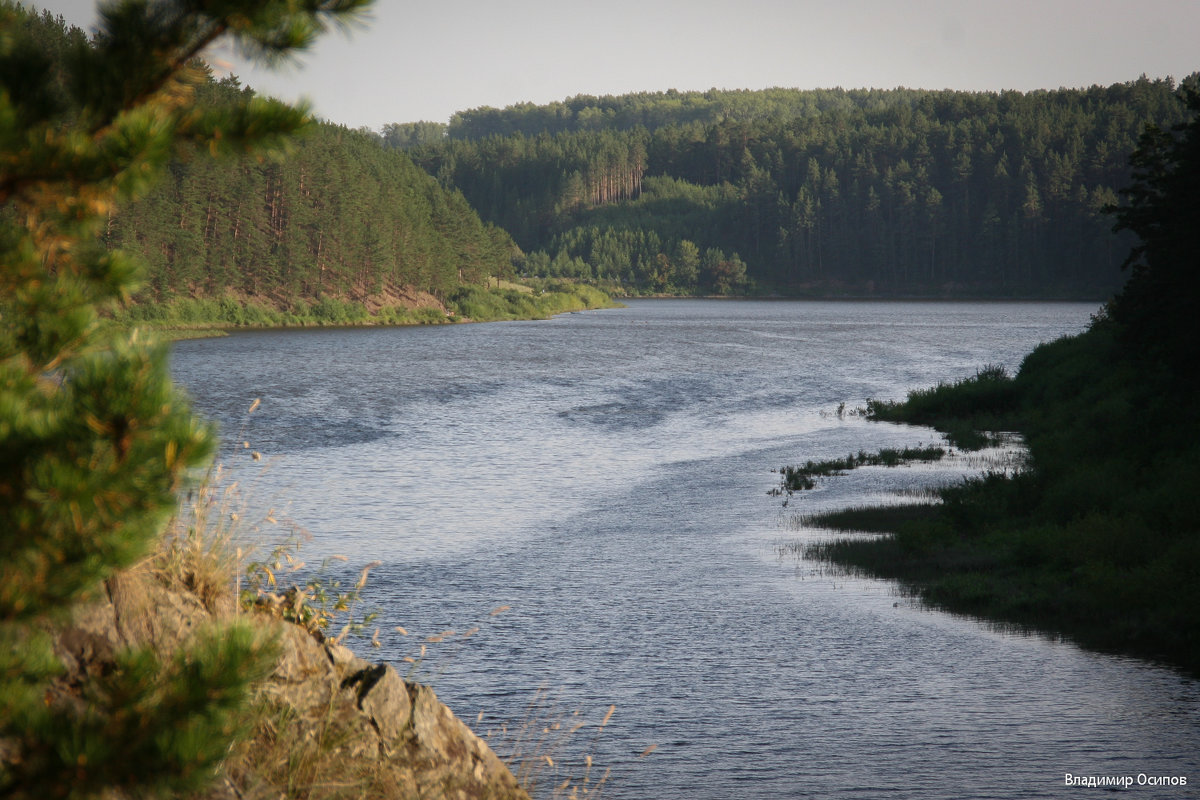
x: 1157, y: 307
x: 94, y: 438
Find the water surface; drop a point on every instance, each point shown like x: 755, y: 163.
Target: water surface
x: 604, y: 474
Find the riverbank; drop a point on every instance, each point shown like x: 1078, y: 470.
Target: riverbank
x: 1094, y: 540
x: 194, y: 317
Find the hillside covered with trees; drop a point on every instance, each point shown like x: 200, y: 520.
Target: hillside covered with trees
x: 826, y: 191
x: 339, y: 214
x: 328, y: 213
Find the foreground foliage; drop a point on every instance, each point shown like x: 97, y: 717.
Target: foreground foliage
x: 94, y: 438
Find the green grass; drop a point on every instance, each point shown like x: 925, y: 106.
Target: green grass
x: 965, y: 411
x: 873, y: 519
x: 1096, y: 540
x: 182, y: 317
x: 185, y: 313
x: 480, y: 304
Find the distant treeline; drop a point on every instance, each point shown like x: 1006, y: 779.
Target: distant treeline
x: 895, y: 191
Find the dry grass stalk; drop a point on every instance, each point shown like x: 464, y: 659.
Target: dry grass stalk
x: 538, y: 751
x: 197, y: 552
x: 303, y: 762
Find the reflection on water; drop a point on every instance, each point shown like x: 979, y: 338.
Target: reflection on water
x: 605, y: 475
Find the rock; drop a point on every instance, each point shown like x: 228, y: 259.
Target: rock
x: 386, y: 701
x: 134, y: 610
x: 343, y: 657
x: 348, y: 719
x: 414, y: 734
x: 455, y: 762
x: 147, y: 612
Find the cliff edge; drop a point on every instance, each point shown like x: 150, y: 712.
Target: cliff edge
x: 328, y: 723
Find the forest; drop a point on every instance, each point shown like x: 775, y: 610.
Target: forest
x: 326, y: 213
x: 798, y: 192
x: 865, y: 192
x: 339, y: 215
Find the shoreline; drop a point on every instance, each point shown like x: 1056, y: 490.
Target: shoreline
x: 196, y: 318
x: 1088, y: 541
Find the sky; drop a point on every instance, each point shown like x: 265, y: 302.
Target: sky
x: 426, y: 60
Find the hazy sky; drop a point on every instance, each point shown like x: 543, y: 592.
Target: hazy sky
x: 426, y: 60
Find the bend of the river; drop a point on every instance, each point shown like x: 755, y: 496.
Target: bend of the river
x: 605, y: 475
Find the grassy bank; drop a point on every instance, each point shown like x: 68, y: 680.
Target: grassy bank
x: 507, y: 301
x: 513, y: 301
x: 1095, y: 540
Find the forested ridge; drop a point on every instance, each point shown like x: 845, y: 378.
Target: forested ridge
x: 899, y: 191
x: 329, y: 213
x: 339, y: 215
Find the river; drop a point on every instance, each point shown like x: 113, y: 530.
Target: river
x: 604, y: 475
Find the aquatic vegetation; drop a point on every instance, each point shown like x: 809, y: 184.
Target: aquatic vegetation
x: 879, y: 519
x: 800, y: 478
x: 1095, y: 538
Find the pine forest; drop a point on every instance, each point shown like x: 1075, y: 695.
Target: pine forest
x: 339, y: 216
x: 797, y: 192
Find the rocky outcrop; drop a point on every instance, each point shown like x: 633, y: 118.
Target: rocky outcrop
x: 325, y: 714
x: 425, y: 749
